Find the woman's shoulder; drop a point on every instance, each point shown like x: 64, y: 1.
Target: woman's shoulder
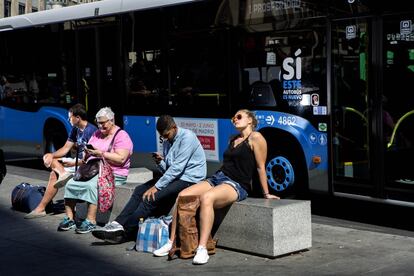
x: 256, y: 137
x: 123, y: 137
x: 122, y: 134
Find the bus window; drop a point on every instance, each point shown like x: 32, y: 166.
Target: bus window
x: 398, y: 85
x: 34, y: 77
x: 198, y: 73
x: 282, y: 70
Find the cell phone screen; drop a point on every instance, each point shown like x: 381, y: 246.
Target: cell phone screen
x: 89, y: 146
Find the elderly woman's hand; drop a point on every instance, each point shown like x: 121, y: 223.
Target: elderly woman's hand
x: 94, y: 152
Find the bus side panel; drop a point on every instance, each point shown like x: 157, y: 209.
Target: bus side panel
x: 213, y: 134
x: 226, y: 130
x: 142, y: 131
x: 23, y: 132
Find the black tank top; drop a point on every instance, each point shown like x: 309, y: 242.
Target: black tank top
x: 239, y: 163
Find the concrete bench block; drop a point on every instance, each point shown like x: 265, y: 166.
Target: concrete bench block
x: 122, y: 195
x: 136, y: 176
x: 139, y: 175
x: 267, y: 227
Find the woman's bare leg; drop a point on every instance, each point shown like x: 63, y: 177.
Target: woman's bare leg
x: 70, y: 208
x: 218, y: 197
x: 196, y: 189
x: 92, y: 210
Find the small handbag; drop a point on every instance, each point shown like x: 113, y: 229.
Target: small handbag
x: 88, y: 170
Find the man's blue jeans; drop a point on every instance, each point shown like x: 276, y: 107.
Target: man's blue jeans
x: 137, y: 208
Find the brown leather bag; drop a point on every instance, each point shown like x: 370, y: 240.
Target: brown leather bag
x: 186, y: 241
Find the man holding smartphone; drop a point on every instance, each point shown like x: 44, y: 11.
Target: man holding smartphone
x: 182, y: 164
x: 61, y: 167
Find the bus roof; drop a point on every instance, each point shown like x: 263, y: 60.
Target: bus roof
x: 88, y: 10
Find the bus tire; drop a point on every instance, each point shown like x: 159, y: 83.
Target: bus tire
x: 280, y: 173
x: 55, y: 137
x: 286, y: 169
x: 286, y: 175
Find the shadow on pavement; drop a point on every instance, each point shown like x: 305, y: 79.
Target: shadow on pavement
x: 35, y: 247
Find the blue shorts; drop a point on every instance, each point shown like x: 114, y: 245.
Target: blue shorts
x: 220, y: 178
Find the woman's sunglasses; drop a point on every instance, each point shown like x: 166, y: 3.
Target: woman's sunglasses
x: 238, y: 117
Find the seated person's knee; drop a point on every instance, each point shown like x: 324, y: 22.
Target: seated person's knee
x: 206, y: 198
x: 184, y: 193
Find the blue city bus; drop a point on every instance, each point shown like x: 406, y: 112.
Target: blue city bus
x: 329, y: 81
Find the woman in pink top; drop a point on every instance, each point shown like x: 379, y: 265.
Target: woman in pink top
x: 119, y: 159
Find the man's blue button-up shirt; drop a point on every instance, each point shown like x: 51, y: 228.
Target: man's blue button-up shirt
x: 184, y: 159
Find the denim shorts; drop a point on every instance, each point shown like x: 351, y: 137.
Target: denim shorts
x: 220, y: 178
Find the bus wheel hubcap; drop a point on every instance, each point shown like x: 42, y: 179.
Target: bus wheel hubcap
x: 280, y: 174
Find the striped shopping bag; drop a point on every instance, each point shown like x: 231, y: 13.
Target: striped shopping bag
x: 153, y: 233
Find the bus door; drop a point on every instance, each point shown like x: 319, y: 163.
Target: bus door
x: 350, y: 107
x: 398, y: 106
x: 97, y: 69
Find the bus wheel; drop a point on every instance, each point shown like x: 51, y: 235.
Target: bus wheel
x: 280, y: 174
x: 55, y: 138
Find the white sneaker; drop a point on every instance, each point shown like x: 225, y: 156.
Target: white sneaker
x: 113, y: 227
x: 63, y: 179
x: 112, y: 232
x: 163, y: 250
x: 201, y: 256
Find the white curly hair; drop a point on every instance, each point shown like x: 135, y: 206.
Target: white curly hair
x: 105, y: 112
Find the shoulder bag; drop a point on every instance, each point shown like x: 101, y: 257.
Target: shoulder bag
x: 106, y: 182
x: 88, y: 170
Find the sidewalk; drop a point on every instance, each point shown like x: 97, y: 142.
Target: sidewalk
x: 34, y: 247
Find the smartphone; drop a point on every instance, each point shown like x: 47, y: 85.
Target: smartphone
x: 89, y: 146
x: 154, y: 154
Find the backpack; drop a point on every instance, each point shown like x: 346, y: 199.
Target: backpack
x: 3, y: 169
x: 186, y: 241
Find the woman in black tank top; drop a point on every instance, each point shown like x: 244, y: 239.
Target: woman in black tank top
x: 246, y: 153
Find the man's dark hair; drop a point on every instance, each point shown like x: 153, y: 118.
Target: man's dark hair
x: 165, y: 123
x: 79, y: 110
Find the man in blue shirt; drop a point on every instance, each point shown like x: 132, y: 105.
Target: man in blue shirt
x: 61, y: 167
x: 182, y: 164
